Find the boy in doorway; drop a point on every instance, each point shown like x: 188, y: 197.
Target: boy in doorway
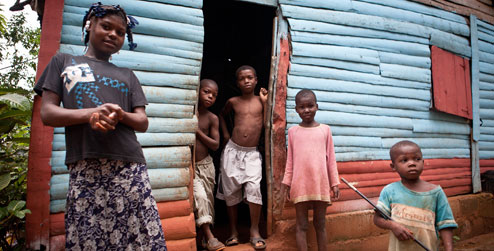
x: 207, y: 137
x: 241, y: 164
x: 418, y: 208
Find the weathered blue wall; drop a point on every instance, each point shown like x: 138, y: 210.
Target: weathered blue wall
x: 167, y: 62
x: 485, y: 35
x: 369, y: 64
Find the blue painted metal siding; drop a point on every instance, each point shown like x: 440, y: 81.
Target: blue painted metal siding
x: 485, y: 34
x: 368, y: 62
x: 167, y: 62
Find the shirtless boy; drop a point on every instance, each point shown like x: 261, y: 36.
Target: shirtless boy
x: 241, y: 164
x: 207, y: 137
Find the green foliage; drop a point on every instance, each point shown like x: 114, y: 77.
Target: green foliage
x: 19, y: 46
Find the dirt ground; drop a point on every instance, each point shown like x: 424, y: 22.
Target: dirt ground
x: 479, y: 243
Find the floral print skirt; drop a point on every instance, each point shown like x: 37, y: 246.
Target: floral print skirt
x: 110, y: 207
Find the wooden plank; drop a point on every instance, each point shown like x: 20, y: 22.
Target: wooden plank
x: 337, y: 64
x: 465, y: 11
x: 386, y: 132
x: 356, y: 20
x: 395, y: 58
x: 487, y: 130
x: 147, y: 9
x: 486, y: 37
x: 419, y: 8
x: 351, y: 54
x: 166, y: 139
x: 475, y: 87
x: 431, y: 126
x: 367, y: 100
x: 400, y: 47
x: 430, y: 143
x: 171, y: 125
x: 179, y: 228
x: 169, y: 110
x: 335, y: 29
x: 170, y: 95
x: 486, y: 79
x: 332, y: 85
x: 187, y: 3
x: 450, y: 45
x: 486, y: 67
x: 384, y: 154
x: 170, y: 194
x: 348, y: 119
x: 405, y: 72
x: 485, y: 30
x: 477, y: 5
x: 412, y: 17
x: 486, y: 47
x: 486, y: 154
x: 357, y: 141
x: 485, y: 25
x: 486, y: 113
x: 343, y: 5
x: 337, y: 74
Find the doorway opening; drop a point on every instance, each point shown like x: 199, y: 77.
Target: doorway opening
x: 236, y: 33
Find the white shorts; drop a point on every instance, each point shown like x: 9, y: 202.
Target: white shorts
x: 240, y: 172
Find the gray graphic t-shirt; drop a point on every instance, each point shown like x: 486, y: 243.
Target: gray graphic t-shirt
x: 83, y: 82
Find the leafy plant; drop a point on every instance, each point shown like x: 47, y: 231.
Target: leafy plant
x: 18, y: 49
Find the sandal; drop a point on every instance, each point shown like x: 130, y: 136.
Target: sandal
x: 232, y: 241
x: 214, y: 245
x: 254, y: 241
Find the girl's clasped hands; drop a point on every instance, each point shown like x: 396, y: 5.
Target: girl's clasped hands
x: 106, y: 117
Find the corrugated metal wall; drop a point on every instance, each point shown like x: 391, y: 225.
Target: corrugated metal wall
x: 167, y: 62
x: 485, y: 34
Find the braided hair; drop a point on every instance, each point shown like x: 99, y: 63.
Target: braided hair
x: 99, y: 10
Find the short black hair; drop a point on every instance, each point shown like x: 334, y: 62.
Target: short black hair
x: 243, y: 68
x: 394, y: 149
x: 208, y: 81
x: 305, y: 93
x: 99, y: 10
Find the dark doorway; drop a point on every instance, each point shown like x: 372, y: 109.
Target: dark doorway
x: 236, y: 33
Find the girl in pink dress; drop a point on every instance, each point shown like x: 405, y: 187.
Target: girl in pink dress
x: 311, y: 177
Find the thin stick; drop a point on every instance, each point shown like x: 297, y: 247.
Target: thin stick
x: 382, y: 213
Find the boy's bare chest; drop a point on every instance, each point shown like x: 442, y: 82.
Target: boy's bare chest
x: 248, y: 109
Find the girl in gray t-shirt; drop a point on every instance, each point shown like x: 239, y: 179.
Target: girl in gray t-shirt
x: 109, y: 201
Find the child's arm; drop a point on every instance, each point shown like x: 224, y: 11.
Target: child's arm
x: 224, y: 113
x: 447, y: 237
x: 213, y: 140
x: 54, y: 115
x: 263, y: 95
x: 137, y: 119
x: 401, y: 232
